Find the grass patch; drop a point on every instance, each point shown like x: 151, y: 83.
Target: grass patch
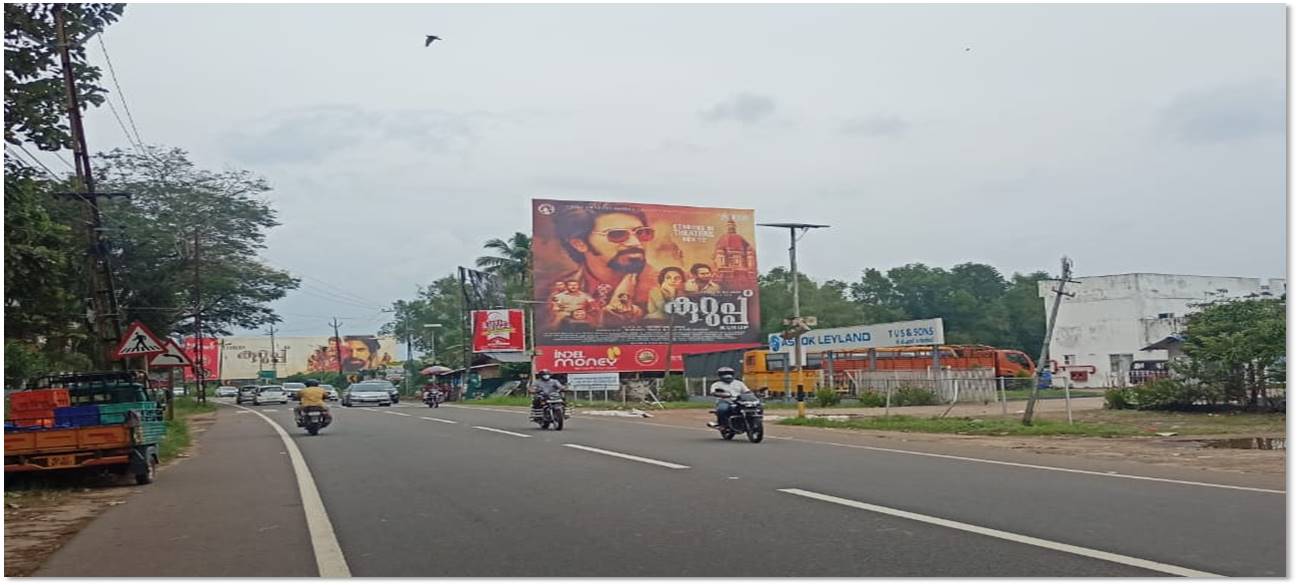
x: 1188, y: 423
x: 178, y: 437
x: 1049, y: 394
x: 971, y: 426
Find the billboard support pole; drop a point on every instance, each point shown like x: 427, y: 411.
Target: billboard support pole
x: 793, y: 267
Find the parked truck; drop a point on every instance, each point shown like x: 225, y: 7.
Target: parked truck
x: 94, y: 421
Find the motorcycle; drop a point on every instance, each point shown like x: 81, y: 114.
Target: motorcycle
x: 433, y: 398
x: 551, y: 413
x: 313, y: 419
x: 746, y: 414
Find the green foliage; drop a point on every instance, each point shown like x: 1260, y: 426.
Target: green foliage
x: 35, y: 98
x: 673, y: 389
x: 826, y: 397
x: 912, y: 396
x: 1119, y: 399
x: 438, y: 303
x: 1234, y: 346
x: 971, y: 426
x: 512, y: 262
x: 872, y: 399
x: 338, y: 381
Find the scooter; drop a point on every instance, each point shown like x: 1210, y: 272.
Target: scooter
x: 433, y: 398
x: 314, y: 418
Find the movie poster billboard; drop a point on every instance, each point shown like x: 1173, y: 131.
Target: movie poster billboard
x: 242, y: 357
x: 618, y: 283
x: 206, y: 355
x: 498, y: 330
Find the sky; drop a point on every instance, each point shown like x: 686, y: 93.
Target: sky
x: 1132, y: 138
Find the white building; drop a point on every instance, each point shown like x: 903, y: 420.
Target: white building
x: 1100, y: 331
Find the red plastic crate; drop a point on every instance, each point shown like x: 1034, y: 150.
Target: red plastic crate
x: 40, y: 399
x: 33, y: 418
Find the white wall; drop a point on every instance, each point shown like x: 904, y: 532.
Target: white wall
x: 1119, y: 314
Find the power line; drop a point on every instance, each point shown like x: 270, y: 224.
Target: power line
x: 64, y: 161
x: 122, y: 125
x: 120, y: 94
x: 33, y: 159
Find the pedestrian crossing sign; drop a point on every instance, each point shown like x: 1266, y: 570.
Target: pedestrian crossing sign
x: 138, y: 342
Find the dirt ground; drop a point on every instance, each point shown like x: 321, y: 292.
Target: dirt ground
x: 41, y: 514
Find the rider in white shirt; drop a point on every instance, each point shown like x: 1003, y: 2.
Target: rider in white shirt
x: 726, y: 389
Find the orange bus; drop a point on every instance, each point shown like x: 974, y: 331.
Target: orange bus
x: 1005, y: 362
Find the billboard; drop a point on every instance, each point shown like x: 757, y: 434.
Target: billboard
x: 861, y: 337
x: 619, y: 286
x: 498, y: 330
x: 241, y: 357
x: 206, y: 355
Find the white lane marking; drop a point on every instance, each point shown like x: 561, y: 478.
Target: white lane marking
x: 1010, y: 536
x: 270, y: 410
x: 329, y: 558
x: 502, y: 432
x: 667, y: 464
x: 971, y: 459
x: 399, y: 413
x: 441, y: 420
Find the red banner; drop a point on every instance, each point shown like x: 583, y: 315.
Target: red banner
x: 570, y: 359
x: 498, y: 330
x: 208, y: 355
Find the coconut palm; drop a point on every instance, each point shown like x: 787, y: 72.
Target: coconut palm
x: 513, y: 259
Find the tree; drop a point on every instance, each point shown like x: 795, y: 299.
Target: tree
x: 439, y: 303
x: 152, y: 242
x: 512, y: 262
x: 1232, y: 344
x: 35, y: 95
x: 828, y: 302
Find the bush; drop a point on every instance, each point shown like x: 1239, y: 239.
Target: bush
x: 673, y: 389
x: 911, y: 396
x: 1119, y: 399
x: 826, y: 397
x: 871, y: 399
x: 1165, y: 394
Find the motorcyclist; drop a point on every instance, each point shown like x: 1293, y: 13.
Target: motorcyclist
x: 544, y: 387
x: 726, y: 388
x: 312, y: 398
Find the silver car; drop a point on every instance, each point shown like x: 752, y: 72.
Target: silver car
x: 330, y: 393
x: 365, y: 393
x: 227, y: 392
x: 292, y: 388
x: 270, y: 394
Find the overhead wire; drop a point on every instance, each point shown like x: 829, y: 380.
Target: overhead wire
x: 32, y: 160
x: 120, y: 94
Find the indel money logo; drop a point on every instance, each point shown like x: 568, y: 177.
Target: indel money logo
x: 646, y: 356
x: 614, y: 352
x: 576, y: 358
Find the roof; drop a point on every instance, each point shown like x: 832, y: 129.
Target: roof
x: 1169, y: 342
x: 509, y: 357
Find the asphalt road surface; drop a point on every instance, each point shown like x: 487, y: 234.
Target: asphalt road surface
x: 472, y: 492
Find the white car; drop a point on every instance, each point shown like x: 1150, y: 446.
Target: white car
x: 330, y: 393
x: 366, y: 393
x: 177, y: 391
x: 292, y: 388
x: 269, y: 394
x: 227, y: 392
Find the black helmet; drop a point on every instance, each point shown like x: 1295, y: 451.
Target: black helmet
x: 543, y: 373
x: 312, y: 382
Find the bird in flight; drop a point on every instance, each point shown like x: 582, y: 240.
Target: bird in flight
x: 429, y: 40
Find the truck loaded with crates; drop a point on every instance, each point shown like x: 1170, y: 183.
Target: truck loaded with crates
x: 101, y: 421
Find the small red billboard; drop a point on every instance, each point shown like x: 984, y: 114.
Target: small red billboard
x: 498, y: 330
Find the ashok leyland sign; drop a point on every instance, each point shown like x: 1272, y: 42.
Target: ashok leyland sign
x: 861, y: 337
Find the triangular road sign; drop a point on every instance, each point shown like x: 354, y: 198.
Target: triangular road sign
x: 138, y: 341
x: 171, y: 358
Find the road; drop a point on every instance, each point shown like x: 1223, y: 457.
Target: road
x: 473, y: 492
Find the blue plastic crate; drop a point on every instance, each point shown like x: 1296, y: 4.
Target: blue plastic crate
x: 76, y: 416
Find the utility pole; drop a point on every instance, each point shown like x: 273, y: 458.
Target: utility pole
x: 1066, y: 273
x: 410, y: 358
x: 106, y: 319
x: 200, y: 370
x: 274, y: 357
x: 338, y: 349
x: 793, y: 267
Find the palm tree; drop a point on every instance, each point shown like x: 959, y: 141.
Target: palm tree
x: 513, y: 259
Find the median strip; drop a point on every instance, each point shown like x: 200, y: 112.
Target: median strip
x: 512, y: 433
x: 667, y: 464
x: 1010, y: 536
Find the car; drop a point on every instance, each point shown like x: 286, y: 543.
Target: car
x: 226, y: 392
x: 389, y: 386
x: 291, y: 389
x: 330, y: 393
x: 178, y: 391
x: 246, y: 394
x: 269, y: 394
x: 366, y: 393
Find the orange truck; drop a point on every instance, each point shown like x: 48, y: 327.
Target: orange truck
x: 108, y: 425
x: 765, y: 369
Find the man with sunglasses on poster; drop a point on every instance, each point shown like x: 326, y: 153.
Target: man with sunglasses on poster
x: 608, y: 245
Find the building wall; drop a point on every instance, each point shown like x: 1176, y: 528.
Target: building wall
x: 1119, y: 314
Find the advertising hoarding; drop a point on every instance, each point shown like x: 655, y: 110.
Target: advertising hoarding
x: 499, y: 330
x: 622, y: 285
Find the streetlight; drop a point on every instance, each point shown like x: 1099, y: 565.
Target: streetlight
x: 432, y: 341
x: 793, y: 267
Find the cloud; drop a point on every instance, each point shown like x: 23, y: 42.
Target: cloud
x: 1226, y: 112
x: 745, y: 108
x: 874, y: 126
x: 317, y: 133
